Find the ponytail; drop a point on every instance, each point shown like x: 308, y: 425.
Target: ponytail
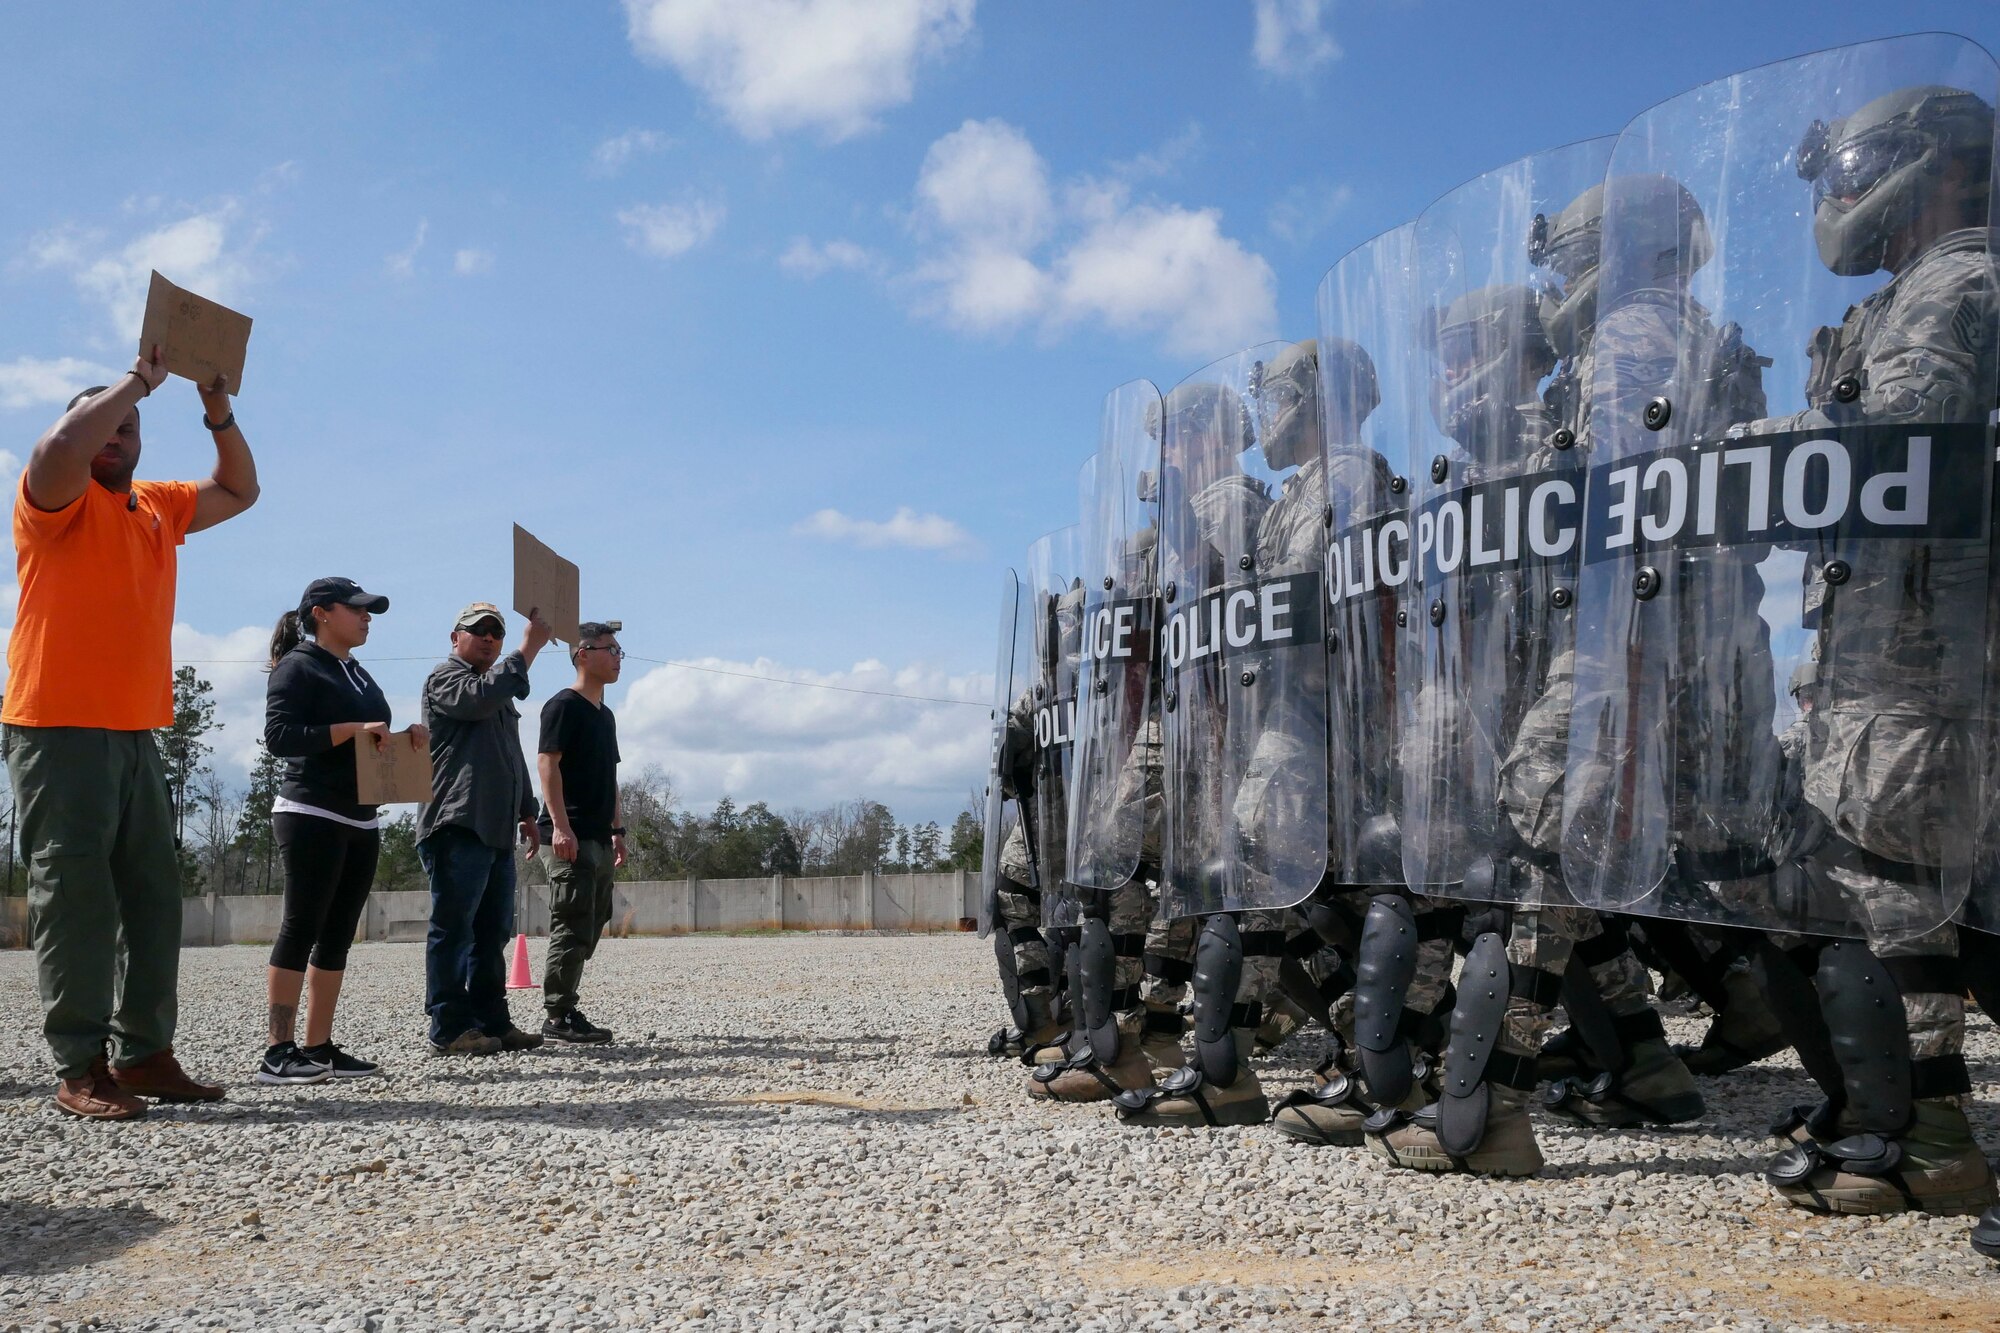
x: 285, y: 637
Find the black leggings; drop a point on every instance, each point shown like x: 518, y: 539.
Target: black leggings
x: 329, y: 868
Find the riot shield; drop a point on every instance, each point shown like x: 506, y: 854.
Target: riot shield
x: 1371, y: 406
x: 1242, y: 642
x: 1498, y: 480
x: 1004, y: 788
x: 1054, y: 593
x: 1117, y: 742
x: 1780, y: 716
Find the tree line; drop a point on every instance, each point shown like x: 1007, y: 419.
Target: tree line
x: 226, y: 843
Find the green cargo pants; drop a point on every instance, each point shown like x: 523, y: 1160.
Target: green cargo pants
x: 579, y: 909
x: 104, y: 889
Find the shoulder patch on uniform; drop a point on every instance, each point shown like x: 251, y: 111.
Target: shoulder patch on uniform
x: 1970, y: 325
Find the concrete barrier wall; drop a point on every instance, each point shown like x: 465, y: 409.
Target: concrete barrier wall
x: 669, y: 907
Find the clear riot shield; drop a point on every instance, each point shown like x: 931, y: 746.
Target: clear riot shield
x: 1054, y: 594
x: 1003, y: 791
x: 1242, y: 640
x: 1371, y: 406
x: 1780, y: 717
x: 1117, y: 729
x: 1498, y: 480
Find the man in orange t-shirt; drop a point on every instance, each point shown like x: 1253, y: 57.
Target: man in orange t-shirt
x: 96, y: 556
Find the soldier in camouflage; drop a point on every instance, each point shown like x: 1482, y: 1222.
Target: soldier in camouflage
x: 1900, y: 185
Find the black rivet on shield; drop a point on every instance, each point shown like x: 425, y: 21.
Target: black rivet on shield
x: 1326, y: 516
x: 1440, y: 468
x: 1103, y: 685
x: 1244, y: 562
x: 1846, y: 389
x: 1399, y: 484
x: 1402, y: 618
x: 1658, y: 412
x: 1040, y: 691
x: 1248, y: 678
x: 1107, y: 583
x: 1437, y: 612
x: 1171, y: 590
x: 1837, y: 572
x: 1172, y: 699
x: 1333, y: 643
x: 1563, y: 438
x: 1645, y: 583
x: 1560, y: 598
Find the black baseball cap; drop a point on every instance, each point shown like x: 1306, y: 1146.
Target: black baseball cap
x: 340, y: 592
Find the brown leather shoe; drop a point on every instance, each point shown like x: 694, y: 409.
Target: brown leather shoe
x: 161, y: 1077
x: 95, y: 1097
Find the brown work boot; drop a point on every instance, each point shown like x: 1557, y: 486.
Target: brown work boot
x: 93, y: 1096
x: 161, y: 1077
x: 1507, y: 1148
x: 1934, y: 1167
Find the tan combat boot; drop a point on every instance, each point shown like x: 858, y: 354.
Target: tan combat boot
x: 1186, y: 1098
x: 1742, y: 1034
x: 1655, y: 1089
x: 1507, y: 1148
x: 1933, y: 1167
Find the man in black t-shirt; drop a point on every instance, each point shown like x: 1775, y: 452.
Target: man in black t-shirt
x: 582, y: 837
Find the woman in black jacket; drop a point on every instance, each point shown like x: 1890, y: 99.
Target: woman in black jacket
x: 318, y: 705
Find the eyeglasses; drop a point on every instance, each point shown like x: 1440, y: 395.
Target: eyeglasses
x: 611, y: 648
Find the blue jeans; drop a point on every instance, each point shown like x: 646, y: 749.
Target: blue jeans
x: 472, y: 917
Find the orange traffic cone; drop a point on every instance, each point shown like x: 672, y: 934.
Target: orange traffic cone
x: 517, y: 975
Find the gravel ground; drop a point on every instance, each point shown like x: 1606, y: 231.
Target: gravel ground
x: 804, y: 1132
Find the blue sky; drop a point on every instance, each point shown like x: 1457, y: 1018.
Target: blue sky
x: 788, y: 320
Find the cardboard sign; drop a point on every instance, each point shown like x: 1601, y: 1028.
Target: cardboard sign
x: 546, y: 582
x: 395, y: 773
x: 197, y: 338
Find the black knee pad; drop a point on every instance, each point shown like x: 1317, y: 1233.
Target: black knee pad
x: 1218, y: 975
x: 1333, y: 924
x: 1472, y: 1058
x: 1979, y: 958
x: 1863, y: 1007
x: 1378, y: 851
x: 1010, y: 981
x: 1387, y: 966
x: 1097, y: 957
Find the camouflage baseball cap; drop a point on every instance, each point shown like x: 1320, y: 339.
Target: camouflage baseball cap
x: 476, y: 612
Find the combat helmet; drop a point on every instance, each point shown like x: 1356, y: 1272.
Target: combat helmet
x: 1488, y: 353
x: 1876, y: 172
x: 1664, y: 235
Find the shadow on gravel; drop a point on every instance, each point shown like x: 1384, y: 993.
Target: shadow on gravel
x: 11, y: 1089
x: 579, y: 1115
x: 36, y: 1238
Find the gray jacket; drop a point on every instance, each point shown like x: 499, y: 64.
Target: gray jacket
x: 479, y: 776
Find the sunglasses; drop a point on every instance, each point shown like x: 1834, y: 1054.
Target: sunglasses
x: 486, y: 629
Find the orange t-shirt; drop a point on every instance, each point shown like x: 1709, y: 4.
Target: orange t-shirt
x: 93, y: 639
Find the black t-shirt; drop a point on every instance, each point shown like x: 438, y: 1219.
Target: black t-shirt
x: 586, y: 736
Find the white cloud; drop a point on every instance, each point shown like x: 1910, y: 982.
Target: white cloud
x: 403, y: 264
x: 986, y: 185
x: 1290, y: 39
x: 204, y: 252
x: 1170, y: 269
x: 468, y: 263
x: 233, y: 663
x: 791, y: 746
x: 777, y: 65
x: 1304, y: 211
x: 667, y: 230
x: 611, y: 156
x: 32, y: 382
x: 1009, y: 249
x: 807, y: 260
x: 921, y: 532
